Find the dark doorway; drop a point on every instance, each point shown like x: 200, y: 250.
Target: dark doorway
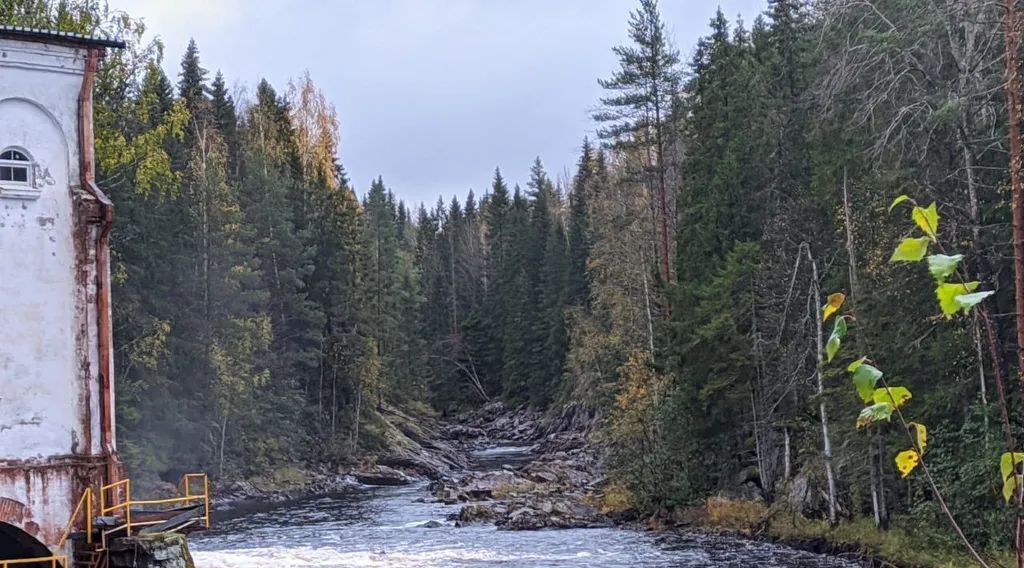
x: 16, y: 543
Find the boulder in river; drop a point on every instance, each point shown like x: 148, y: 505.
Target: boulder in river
x: 381, y: 475
x: 478, y: 513
x: 561, y: 514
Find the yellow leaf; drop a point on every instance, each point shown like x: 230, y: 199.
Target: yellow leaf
x: 906, y: 461
x: 927, y: 219
x: 910, y: 250
x: 835, y: 301
x: 1009, y: 487
x: 1008, y: 463
x: 920, y: 435
x: 899, y: 395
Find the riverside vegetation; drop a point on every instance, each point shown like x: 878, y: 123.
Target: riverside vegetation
x: 667, y: 299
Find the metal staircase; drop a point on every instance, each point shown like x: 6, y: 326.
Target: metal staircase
x: 121, y: 516
x: 88, y: 556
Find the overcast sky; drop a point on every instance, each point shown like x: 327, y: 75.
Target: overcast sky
x: 431, y: 94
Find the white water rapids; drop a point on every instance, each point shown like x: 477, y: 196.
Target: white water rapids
x: 382, y: 526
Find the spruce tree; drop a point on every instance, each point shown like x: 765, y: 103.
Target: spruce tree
x: 226, y: 118
x: 192, y: 80
x: 578, y: 285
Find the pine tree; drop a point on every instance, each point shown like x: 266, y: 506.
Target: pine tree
x: 637, y: 112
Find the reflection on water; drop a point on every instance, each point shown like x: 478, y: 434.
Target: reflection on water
x: 382, y: 527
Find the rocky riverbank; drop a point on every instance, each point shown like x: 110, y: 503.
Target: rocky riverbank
x: 545, y: 481
x: 409, y: 448
x: 549, y: 484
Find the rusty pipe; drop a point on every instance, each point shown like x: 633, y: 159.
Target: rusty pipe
x: 103, y: 309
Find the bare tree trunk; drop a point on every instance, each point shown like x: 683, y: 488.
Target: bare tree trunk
x: 787, y: 456
x: 320, y: 390
x: 650, y: 317
x: 980, y: 354
x: 223, y: 439
x: 1011, y: 38
x: 758, y: 443
x: 334, y: 401
x: 875, y: 461
x: 666, y: 266
x: 455, y: 307
x: 359, y: 407
x: 883, y: 508
x: 851, y: 253
x: 1013, y: 88
x: 875, y: 505
x: 819, y: 375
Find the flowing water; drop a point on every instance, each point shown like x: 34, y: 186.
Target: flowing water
x: 383, y: 526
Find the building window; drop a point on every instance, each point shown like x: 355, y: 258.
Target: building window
x: 15, y: 167
x: 20, y: 176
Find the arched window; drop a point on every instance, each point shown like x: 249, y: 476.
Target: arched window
x: 15, y: 167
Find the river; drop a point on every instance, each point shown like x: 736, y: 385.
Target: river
x: 383, y: 526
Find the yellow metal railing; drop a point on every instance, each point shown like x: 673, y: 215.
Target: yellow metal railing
x: 119, y: 497
x: 53, y: 561
x: 61, y: 561
x: 122, y: 502
x: 85, y: 501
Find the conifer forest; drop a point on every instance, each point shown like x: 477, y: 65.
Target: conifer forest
x: 786, y: 268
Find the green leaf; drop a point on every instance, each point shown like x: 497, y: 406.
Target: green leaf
x: 948, y: 292
x: 927, y: 219
x: 910, y: 250
x: 968, y: 301
x: 836, y: 338
x: 906, y: 461
x: 897, y: 201
x: 874, y: 413
x: 835, y: 301
x: 865, y: 378
x: 897, y: 395
x: 856, y: 364
x: 941, y: 266
x: 1008, y: 462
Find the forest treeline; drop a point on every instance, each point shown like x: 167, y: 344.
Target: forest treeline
x: 266, y: 307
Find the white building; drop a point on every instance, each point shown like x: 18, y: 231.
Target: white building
x: 56, y: 393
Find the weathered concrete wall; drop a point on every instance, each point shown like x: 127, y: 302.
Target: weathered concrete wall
x: 49, y: 390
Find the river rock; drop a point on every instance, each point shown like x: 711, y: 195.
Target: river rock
x: 542, y: 476
x: 462, y: 432
x: 478, y: 513
x: 562, y: 514
x: 492, y: 484
x: 381, y: 475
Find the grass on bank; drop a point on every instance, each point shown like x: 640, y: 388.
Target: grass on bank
x: 899, y: 546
